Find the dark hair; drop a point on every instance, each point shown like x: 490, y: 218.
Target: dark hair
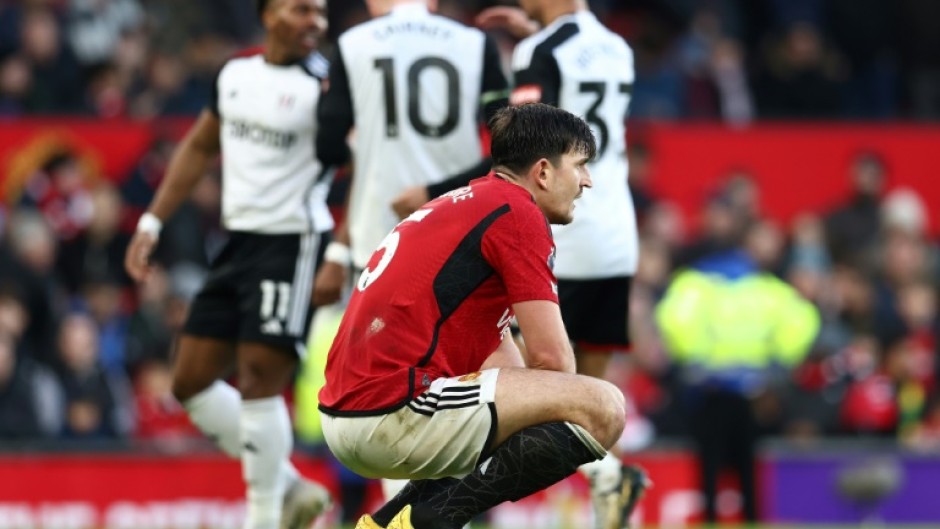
x: 521, y: 135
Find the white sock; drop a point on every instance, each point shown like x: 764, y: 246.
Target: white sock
x: 267, y: 441
x: 215, y: 411
x: 603, y: 474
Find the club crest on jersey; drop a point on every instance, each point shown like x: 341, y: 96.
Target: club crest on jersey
x: 528, y: 93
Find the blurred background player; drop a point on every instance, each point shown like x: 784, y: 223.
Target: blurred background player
x: 253, y: 312
x: 415, y: 86
x: 577, y: 64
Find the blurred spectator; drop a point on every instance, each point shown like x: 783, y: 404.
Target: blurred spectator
x: 99, y: 249
x: 16, y: 82
x: 851, y: 228
x: 97, y: 26
x: 638, y: 158
x: 925, y: 436
x: 731, y: 327
x: 920, y: 42
x: 106, y: 92
x: 717, y: 86
x: 160, y: 417
x: 59, y: 190
x: 149, y: 335
x: 743, y: 193
x: 904, y: 210
x: 664, y: 223
x: 56, y: 79
x: 866, y: 33
x: 102, y: 299
x: 869, y: 406
x: 28, y: 263
x: 856, y: 299
x: 99, y: 403
x: 905, y: 259
x: 30, y: 396
x: 720, y: 229
x: 727, y: 68
x: 799, y: 79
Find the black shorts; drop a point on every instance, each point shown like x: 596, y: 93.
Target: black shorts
x: 258, y: 290
x: 595, y: 311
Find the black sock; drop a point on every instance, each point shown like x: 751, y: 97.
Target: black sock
x: 414, y: 492
x: 529, y: 461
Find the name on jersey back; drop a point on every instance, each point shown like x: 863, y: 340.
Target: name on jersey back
x: 422, y: 28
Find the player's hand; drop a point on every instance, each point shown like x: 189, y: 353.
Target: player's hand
x: 137, y: 258
x: 328, y: 285
x: 410, y: 200
x: 512, y: 19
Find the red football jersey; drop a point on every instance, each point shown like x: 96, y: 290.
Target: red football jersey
x: 435, y: 299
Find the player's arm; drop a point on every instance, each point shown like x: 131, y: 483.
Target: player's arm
x: 538, y: 81
x: 188, y: 164
x: 512, y: 19
x: 337, y: 260
x: 335, y: 115
x: 494, y: 92
x: 546, y: 341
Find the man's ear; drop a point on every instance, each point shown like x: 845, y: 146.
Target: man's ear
x: 541, y: 171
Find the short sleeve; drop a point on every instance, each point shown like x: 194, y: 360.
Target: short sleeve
x: 520, y: 248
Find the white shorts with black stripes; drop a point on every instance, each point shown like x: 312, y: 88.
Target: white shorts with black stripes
x: 441, y: 432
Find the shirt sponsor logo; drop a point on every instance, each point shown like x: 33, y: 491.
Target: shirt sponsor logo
x: 529, y: 93
x: 261, y: 135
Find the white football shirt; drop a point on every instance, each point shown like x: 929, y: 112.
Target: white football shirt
x: 577, y: 64
x: 413, y: 85
x: 270, y: 172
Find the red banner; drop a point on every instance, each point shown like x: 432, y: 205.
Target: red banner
x: 798, y: 167
x: 206, y: 491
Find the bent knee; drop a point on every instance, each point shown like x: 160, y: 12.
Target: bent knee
x: 609, y: 415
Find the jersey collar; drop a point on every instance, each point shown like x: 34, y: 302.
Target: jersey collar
x: 411, y: 7
x: 570, y: 17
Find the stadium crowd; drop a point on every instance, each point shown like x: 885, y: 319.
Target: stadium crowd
x: 85, y: 354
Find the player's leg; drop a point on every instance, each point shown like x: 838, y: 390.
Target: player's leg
x: 205, y: 356
x: 266, y: 435
x: 401, y: 492
x: 548, y: 424
x: 275, y: 282
x: 200, y: 366
x: 596, y: 315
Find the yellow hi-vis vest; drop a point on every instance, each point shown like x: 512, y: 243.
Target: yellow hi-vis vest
x: 751, y: 322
